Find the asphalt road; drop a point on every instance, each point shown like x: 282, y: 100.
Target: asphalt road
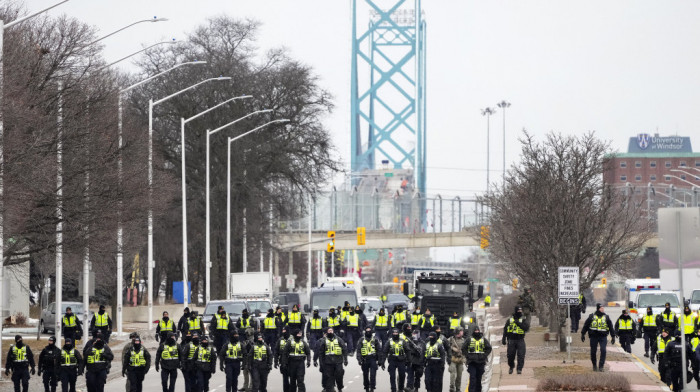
x: 353, y: 380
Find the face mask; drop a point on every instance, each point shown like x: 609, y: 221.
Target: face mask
x: 171, y: 341
x: 270, y: 314
x: 330, y: 336
x: 518, y: 314
x: 395, y: 337
x: 477, y: 335
x: 407, y: 332
x: 433, y: 340
x: 193, y: 317
x: 205, y: 344
x: 166, y: 318
x: 245, y: 314
x: 137, y: 346
x: 101, y: 311
x: 195, y: 341
x: 99, y: 344
x: 234, y: 338
x: 381, y: 312
x: 649, y: 312
x: 297, y: 338
x: 223, y: 313
x: 687, y: 312
x: 19, y: 344
x: 67, y: 347
x: 316, y: 314
x: 352, y: 312
x: 260, y: 342
x: 368, y: 334
x: 331, y: 313
x: 285, y: 334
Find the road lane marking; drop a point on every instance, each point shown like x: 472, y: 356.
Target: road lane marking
x: 654, y: 372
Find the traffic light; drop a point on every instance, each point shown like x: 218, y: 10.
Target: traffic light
x: 484, y: 237
x: 604, y: 281
x: 515, y: 283
x: 361, y: 235
x: 330, y: 247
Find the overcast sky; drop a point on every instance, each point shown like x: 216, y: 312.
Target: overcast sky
x: 616, y: 67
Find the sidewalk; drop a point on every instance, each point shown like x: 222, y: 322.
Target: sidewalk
x: 543, y: 359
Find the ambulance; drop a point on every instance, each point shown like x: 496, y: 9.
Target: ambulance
x: 635, y: 286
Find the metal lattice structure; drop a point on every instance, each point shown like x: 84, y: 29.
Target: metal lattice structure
x: 388, y: 102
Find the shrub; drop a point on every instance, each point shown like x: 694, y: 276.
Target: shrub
x: 20, y: 319
x: 508, y: 303
x: 584, y: 382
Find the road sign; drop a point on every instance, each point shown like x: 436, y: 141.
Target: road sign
x: 491, y: 280
x: 568, y: 285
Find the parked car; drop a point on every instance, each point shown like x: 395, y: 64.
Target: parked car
x: 287, y: 300
x: 397, y: 299
x: 370, y: 306
x: 234, y: 307
x: 48, y: 315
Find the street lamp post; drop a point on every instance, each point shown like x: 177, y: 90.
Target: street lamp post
x: 488, y: 112
x: 504, y: 105
x: 228, y: 196
x: 184, y: 121
x: 120, y: 229
x: 207, y: 246
x: 4, y: 26
x: 151, y: 263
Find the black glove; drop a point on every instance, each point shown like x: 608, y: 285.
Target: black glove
x: 583, y: 337
x: 7, y: 372
x: 157, y: 368
x: 213, y: 370
x: 653, y: 360
x: 383, y: 367
x: 80, y: 372
x: 269, y: 368
x: 277, y: 365
x: 123, y: 372
x: 503, y: 341
x: 157, y: 337
x: 345, y: 361
x: 221, y: 367
x: 33, y: 371
x: 612, y: 341
x: 315, y: 363
x: 40, y: 372
x: 308, y: 365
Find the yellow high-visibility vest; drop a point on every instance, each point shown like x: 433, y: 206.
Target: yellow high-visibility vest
x: 20, y: 354
x: 476, y: 346
x: 514, y: 328
x: 599, y: 324
x: 69, y: 321
x: 624, y: 325
x: 316, y: 324
x: 137, y: 359
x: 294, y: 318
x: 101, y: 320
x: 234, y: 351
x: 381, y: 321
x: 333, y: 347
x: 95, y: 356
x: 455, y: 322
x: 169, y: 352
x: 270, y: 323
x: 166, y: 326
x: 353, y: 320
x: 368, y: 347
x: 222, y: 322
x: 68, y: 358
x: 260, y: 351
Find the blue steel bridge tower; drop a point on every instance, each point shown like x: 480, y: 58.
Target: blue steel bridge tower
x: 388, y: 119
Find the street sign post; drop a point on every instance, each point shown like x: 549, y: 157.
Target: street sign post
x: 568, y: 295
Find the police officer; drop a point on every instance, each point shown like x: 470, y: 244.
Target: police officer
x: 435, y: 358
x: 333, y: 355
x: 396, y: 353
x: 407, y: 337
x: 667, y: 319
x: 575, y: 313
x: 514, y: 333
x: 296, y: 320
x: 271, y: 326
x: 282, y: 315
x: 205, y: 364
x: 72, y: 326
x: 101, y: 321
x: 381, y: 326
x: 182, y: 323
x: 487, y: 301
x: 135, y: 365
x: 98, y: 359
x: 689, y: 321
x: 165, y: 327
x: 297, y: 352
x: 399, y: 317
x: 427, y: 324
x: 695, y: 363
x: 454, y: 349
x: 455, y: 322
x: 416, y: 317
x: 477, y: 350
x: 674, y: 355
x: 19, y: 359
x: 352, y: 330
x: 598, y: 326
x: 220, y: 327
x: 414, y: 367
x: 280, y: 360
x: 194, y: 324
x: 47, y: 365
x: 260, y: 360
x: 625, y: 328
x: 660, y: 352
x: 189, y: 369
x: 314, y: 329
x: 168, y: 358
x: 649, y: 331
x: 231, y: 360
x: 333, y: 320
x: 69, y: 366
x: 367, y: 355
x: 125, y: 351
x: 246, y: 328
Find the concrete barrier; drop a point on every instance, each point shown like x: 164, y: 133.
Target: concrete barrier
x: 139, y: 314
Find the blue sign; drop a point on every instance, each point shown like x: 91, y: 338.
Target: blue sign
x: 648, y: 143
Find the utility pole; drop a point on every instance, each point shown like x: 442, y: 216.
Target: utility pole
x: 503, y: 105
x: 488, y: 112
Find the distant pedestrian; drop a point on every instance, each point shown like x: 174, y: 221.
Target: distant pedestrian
x: 102, y: 322
x: 649, y: 331
x: 625, y: 328
x: 477, y: 350
x: 598, y: 326
x: 514, y: 335
x: 575, y: 312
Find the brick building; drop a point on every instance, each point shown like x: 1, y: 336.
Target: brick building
x: 659, y: 160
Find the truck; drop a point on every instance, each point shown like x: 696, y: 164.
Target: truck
x: 251, y: 285
x: 445, y: 293
x: 633, y: 287
x: 330, y: 295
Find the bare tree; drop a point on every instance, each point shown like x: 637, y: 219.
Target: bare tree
x: 554, y: 210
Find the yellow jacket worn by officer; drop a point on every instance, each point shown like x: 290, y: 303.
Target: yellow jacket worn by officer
x: 136, y: 364
x: 102, y: 322
x: 165, y: 327
x: 98, y: 359
x: 514, y: 333
x: 19, y: 359
x: 598, y: 326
